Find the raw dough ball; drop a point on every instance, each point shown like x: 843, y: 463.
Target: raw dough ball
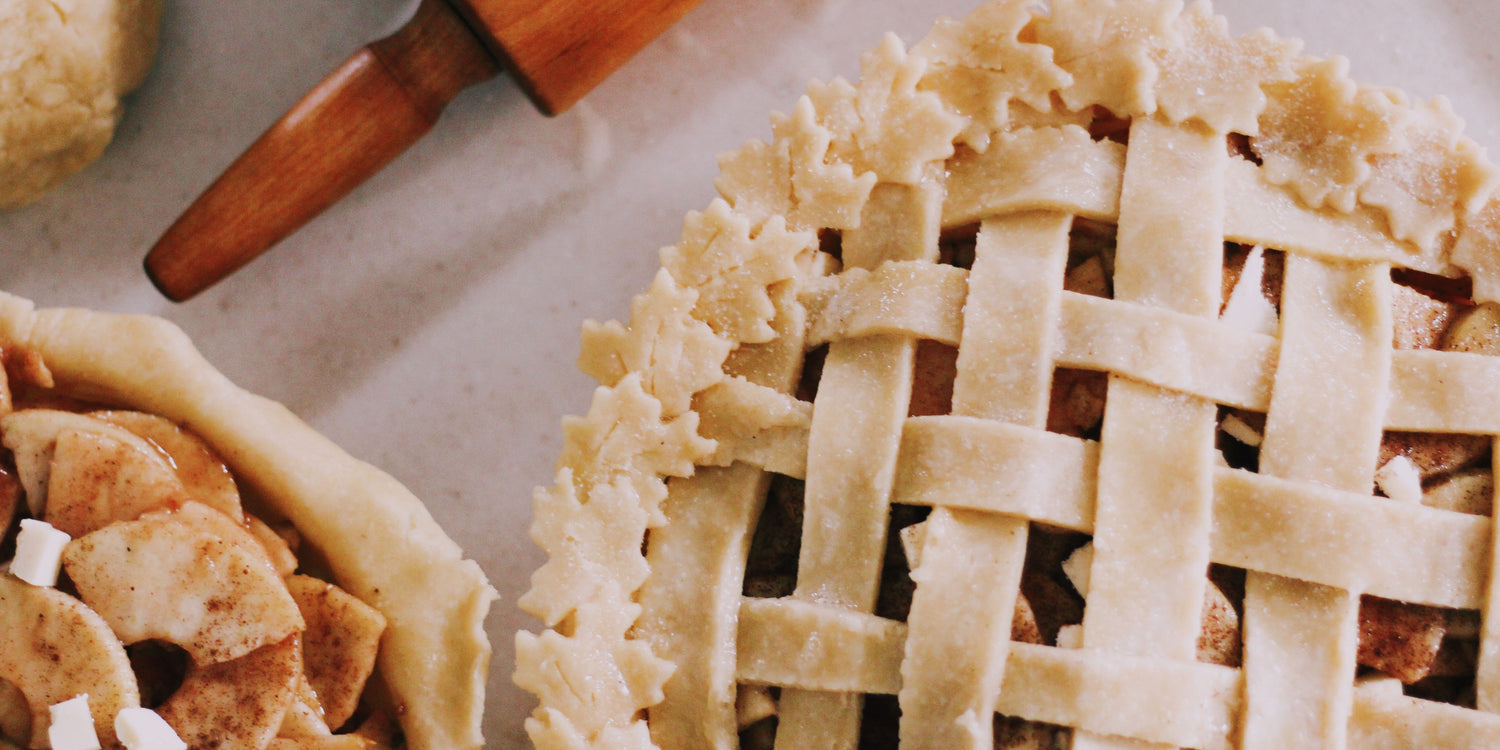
x: 64, y: 64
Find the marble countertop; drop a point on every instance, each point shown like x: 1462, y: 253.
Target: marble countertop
x: 429, y: 322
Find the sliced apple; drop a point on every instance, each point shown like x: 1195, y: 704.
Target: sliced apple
x: 329, y: 742
x: 339, y: 645
x: 31, y: 435
x: 160, y: 577
x: 239, y: 534
x: 238, y: 703
x: 304, y: 718
x: 99, y: 478
x: 201, y: 470
x: 282, y: 557
x: 53, y: 648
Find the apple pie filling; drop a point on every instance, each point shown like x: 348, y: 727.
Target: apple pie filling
x: 170, y: 593
x: 1421, y: 651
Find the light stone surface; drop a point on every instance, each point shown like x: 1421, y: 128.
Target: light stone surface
x: 429, y: 323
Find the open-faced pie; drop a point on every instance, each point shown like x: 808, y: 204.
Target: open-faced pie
x: 1080, y: 377
x: 248, y: 605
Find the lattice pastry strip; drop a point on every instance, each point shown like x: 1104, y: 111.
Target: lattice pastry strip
x: 1335, y: 359
x: 909, y: 298
x: 856, y: 430
x: 1310, y: 532
x: 959, y: 628
x: 1183, y: 353
x: 1399, y: 721
x: 1487, y: 672
x: 1180, y: 703
x: 1029, y: 473
x: 1295, y: 529
x: 1009, y: 325
x: 1063, y: 169
x: 1146, y: 594
x: 690, y: 610
x: 967, y: 584
x: 1435, y: 391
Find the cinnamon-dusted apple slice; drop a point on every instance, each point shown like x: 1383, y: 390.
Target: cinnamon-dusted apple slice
x: 203, y: 474
x: 283, y: 557
x: 330, y: 742
x: 160, y: 578
x: 98, y: 478
x: 339, y: 645
x: 31, y: 434
x: 237, y: 703
x: 53, y: 648
x: 260, y: 546
x: 304, y: 718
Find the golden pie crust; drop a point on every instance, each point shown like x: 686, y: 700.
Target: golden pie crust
x: 1018, y: 127
x: 380, y: 542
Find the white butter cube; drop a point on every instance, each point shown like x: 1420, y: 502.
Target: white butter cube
x: 144, y: 729
x: 1236, y: 428
x: 1077, y: 568
x: 72, y: 725
x: 38, y: 553
x: 1246, y: 308
x: 1400, y: 480
x: 1070, y: 636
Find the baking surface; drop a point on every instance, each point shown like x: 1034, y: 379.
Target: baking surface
x: 429, y: 322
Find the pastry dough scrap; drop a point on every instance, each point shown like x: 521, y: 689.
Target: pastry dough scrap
x: 1107, y: 46
x: 677, y: 354
x: 989, y: 39
x: 979, y: 65
x: 593, y: 682
x: 1218, y: 79
x: 730, y: 266
x: 1422, y: 191
x: 1319, y: 131
x: 625, y: 435
x: 825, y: 189
x: 1478, y: 236
x: 583, y: 563
x: 902, y: 130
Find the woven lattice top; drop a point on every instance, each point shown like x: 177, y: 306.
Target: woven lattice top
x: 1130, y: 314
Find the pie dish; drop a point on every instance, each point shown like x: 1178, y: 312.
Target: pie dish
x: 353, y: 525
x: 1089, y: 373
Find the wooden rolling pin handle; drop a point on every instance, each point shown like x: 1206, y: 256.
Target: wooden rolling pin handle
x: 375, y: 106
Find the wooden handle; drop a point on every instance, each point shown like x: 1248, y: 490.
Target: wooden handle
x: 375, y: 106
x: 558, y: 50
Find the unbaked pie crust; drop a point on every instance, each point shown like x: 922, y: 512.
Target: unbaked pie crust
x: 1002, y: 121
x: 378, y: 539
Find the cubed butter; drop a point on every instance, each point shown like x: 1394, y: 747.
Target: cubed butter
x: 38, y: 553
x: 72, y: 725
x: 144, y: 729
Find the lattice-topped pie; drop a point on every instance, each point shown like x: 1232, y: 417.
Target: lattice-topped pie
x: 1084, y: 377
x: 184, y: 561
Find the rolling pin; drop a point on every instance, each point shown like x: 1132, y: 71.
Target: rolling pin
x: 380, y: 102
